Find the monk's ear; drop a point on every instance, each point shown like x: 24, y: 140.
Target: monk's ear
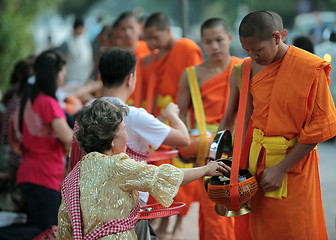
x: 168, y: 30
x: 284, y: 34
x: 277, y: 37
x: 230, y: 37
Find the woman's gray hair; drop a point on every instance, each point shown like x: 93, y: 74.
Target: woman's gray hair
x: 98, y: 124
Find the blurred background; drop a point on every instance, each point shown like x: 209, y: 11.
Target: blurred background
x: 29, y: 27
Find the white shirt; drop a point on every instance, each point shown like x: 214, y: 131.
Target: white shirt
x: 143, y: 130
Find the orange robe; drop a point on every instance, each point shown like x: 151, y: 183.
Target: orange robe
x: 291, y: 99
x: 136, y: 96
x: 169, y: 68
x: 215, y: 95
x: 147, y: 65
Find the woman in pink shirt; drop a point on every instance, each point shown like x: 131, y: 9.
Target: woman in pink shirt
x: 45, y: 135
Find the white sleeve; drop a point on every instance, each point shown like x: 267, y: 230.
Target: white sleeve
x: 149, y: 128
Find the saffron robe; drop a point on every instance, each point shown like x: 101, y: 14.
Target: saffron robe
x: 135, y: 98
x: 169, y: 68
x: 147, y: 65
x: 291, y: 98
x: 215, y: 95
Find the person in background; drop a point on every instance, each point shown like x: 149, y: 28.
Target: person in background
x: 45, y: 136
x: 129, y: 27
x: 304, y: 43
x: 77, y: 51
x: 212, y: 81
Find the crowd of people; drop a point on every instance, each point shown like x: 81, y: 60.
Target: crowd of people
x: 79, y: 122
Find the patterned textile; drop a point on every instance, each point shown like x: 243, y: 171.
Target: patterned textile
x: 70, y: 192
x: 137, y: 155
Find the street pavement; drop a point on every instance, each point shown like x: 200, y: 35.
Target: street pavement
x: 327, y: 165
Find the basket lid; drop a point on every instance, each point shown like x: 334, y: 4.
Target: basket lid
x: 222, y: 144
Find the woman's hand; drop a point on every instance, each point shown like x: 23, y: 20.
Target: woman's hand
x: 216, y: 168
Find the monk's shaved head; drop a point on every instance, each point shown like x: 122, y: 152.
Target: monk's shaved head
x: 278, y: 21
x: 214, y: 22
x: 157, y: 20
x: 122, y: 17
x: 260, y: 23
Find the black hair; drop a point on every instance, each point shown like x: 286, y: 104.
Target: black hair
x: 260, y: 23
x: 332, y: 37
x: 304, y: 43
x: 47, y: 66
x: 158, y: 20
x: 79, y: 22
x: 123, y: 16
x: 115, y: 65
x: 214, y: 22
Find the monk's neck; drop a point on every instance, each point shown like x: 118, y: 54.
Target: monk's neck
x: 220, y: 64
x: 170, y: 44
x: 283, y: 48
x: 120, y: 93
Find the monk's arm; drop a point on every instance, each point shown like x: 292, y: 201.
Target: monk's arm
x: 183, y: 97
x: 229, y: 119
x: 272, y: 177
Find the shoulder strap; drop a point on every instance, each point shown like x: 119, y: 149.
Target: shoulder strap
x: 237, y: 147
x: 203, y: 144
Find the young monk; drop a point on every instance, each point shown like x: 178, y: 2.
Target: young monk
x: 291, y: 111
x: 100, y: 195
x: 129, y: 26
x: 173, y: 57
x: 212, y: 77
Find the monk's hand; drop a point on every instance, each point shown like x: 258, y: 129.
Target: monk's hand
x: 216, y: 168
x: 272, y: 178
x: 171, y: 111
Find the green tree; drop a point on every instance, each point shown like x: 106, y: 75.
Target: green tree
x: 16, y: 19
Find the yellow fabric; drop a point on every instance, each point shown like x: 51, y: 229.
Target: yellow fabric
x: 163, y: 102
x: 210, y: 127
x: 276, y: 150
x: 203, y: 145
x: 177, y: 163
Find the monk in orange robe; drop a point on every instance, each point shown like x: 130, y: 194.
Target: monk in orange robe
x: 292, y: 111
x: 130, y: 34
x: 147, y: 77
x: 213, y: 79
x: 173, y: 57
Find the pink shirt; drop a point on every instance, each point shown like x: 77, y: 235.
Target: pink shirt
x: 43, y: 157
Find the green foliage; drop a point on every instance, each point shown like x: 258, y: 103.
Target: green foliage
x: 16, y: 18
x: 75, y: 7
